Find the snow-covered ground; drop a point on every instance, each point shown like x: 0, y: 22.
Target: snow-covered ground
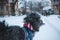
x: 14, y: 20
x: 49, y: 31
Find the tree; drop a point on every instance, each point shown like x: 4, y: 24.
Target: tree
x: 40, y: 7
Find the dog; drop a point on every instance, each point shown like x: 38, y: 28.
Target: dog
x: 11, y: 32
x: 32, y: 22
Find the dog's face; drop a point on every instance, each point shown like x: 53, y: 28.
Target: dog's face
x: 34, y: 20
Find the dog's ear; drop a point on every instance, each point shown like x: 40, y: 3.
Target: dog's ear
x: 25, y: 19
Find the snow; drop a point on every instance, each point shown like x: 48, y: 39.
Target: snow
x: 46, y: 8
x: 55, y: 24
x: 14, y: 20
x: 49, y: 31
x: 38, y: 0
x: 20, y: 4
x: 46, y: 4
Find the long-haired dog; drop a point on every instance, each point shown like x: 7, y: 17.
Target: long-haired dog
x: 11, y: 32
x: 32, y: 22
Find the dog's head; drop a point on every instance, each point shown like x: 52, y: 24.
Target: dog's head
x: 34, y: 20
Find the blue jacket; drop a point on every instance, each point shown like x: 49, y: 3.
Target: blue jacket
x: 29, y: 34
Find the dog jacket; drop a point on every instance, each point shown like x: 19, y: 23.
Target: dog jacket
x: 29, y: 31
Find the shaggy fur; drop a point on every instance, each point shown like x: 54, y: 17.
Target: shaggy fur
x: 35, y: 20
x: 17, y: 33
x: 11, y: 33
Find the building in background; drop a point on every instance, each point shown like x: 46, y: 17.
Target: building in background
x: 56, y: 6
x: 8, y: 7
